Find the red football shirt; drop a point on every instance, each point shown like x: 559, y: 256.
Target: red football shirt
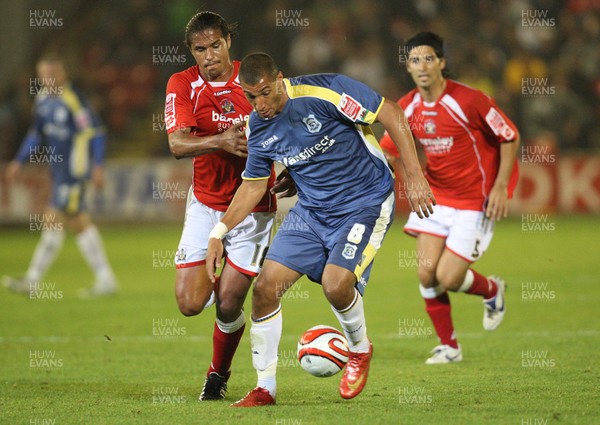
x: 208, y: 109
x: 460, y: 134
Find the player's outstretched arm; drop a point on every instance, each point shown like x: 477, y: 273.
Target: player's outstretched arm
x: 246, y: 198
x: 183, y: 144
x: 497, y: 206
x: 419, y: 194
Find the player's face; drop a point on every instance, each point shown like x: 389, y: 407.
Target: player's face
x: 211, y: 52
x: 267, y: 97
x: 51, y: 73
x: 425, y: 67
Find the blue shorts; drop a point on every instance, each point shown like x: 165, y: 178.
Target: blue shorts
x: 69, y: 197
x: 306, y: 241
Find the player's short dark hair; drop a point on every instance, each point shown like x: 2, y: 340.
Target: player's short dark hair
x: 208, y: 20
x: 428, y: 38
x: 257, y: 65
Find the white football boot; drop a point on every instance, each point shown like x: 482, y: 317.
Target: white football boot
x: 445, y: 354
x: 494, y: 308
x: 18, y: 285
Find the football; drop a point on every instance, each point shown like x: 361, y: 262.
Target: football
x: 323, y: 351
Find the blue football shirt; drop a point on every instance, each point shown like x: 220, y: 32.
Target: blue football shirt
x: 66, y: 134
x: 323, y: 138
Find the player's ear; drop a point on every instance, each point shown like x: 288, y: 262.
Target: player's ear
x: 228, y: 41
x: 442, y: 63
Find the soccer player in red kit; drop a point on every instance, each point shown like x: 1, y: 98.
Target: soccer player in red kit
x: 470, y: 146
x: 205, y: 111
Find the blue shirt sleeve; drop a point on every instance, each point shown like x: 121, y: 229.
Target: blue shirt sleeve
x: 358, y: 103
x: 32, y: 140
x: 258, y: 165
x: 98, y: 144
x: 98, y: 139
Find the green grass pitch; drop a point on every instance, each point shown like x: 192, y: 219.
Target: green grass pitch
x: 133, y: 358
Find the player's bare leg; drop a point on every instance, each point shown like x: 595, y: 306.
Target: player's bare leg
x: 347, y: 304
x: 90, y: 244
x: 46, y: 251
x: 228, y: 330
x: 193, y: 289
x: 456, y: 274
x: 265, y: 334
x: 437, y: 303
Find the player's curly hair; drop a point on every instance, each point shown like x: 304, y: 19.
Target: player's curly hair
x: 205, y: 20
x: 428, y: 38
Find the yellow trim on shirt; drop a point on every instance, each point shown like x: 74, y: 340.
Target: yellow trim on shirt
x: 367, y: 258
x: 255, y: 178
x: 306, y: 90
x: 79, y: 162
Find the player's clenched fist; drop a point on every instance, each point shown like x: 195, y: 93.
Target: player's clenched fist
x: 234, y: 140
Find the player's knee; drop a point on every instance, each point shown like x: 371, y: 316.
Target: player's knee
x: 189, y: 303
x: 427, y: 277
x: 229, y: 308
x: 450, y: 281
x: 337, y: 293
x: 189, y: 308
x: 264, y: 295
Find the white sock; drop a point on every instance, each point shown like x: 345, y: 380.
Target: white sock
x: 352, y: 319
x: 468, y: 282
x: 90, y: 245
x: 431, y: 293
x: 265, y: 334
x: 45, y: 252
x: 230, y: 328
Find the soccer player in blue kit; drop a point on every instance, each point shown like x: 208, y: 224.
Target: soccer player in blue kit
x: 318, y: 127
x: 66, y: 134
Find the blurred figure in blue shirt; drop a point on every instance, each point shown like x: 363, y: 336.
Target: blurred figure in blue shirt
x: 68, y: 136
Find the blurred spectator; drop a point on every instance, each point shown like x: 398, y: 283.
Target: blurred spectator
x: 309, y: 52
x: 493, y: 49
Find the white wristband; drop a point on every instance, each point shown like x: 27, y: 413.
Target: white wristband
x: 219, y: 231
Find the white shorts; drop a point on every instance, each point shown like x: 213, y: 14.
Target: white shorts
x: 468, y: 233
x: 245, y: 245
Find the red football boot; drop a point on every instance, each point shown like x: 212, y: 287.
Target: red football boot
x: 257, y: 397
x: 355, y: 374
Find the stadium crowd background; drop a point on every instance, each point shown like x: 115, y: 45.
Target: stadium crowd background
x: 122, y: 53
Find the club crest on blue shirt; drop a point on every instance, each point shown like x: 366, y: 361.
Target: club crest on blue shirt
x: 227, y: 106
x: 312, y: 124
x: 430, y: 127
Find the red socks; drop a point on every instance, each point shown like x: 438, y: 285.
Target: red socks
x: 224, y: 347
x: 481, y: 285
x: 438, y: 305
x: 439, y: 311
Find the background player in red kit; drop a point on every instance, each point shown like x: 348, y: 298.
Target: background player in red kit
x: 471, y: 148
x: 205, y: 111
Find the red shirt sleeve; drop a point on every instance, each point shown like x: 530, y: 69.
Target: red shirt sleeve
x: 178, y: 107
x: 493, y: 121
x: 387, y: 144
